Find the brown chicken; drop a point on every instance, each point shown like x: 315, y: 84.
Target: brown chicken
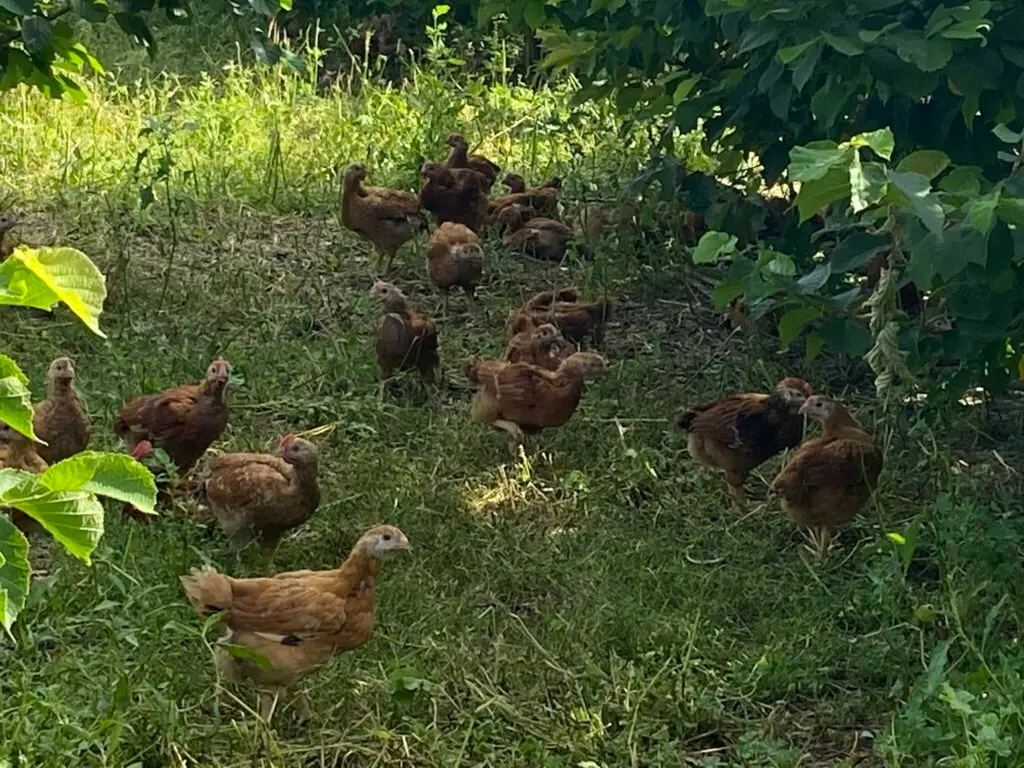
x: 458, y: 195
x: 388, y: 218
x: 8, y: 221
x: 544, y: 347
x: 18, y: 452
x: 406, y: 339
x: 61, y: 420
x: 262, y: 497
x: 738, y: 433
x: 523, y: 399
x: 184, y: 421
x: 295, y: 620
x: 544, y: 299
x: 460, y: 158
x: 574, y: 319
x: 831, y: 477
x: 544, y: 239
x: 454, y: 259
x: 517, y: 184
x: 524, y: 203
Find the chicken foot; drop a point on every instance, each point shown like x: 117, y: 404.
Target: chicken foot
x: 821, y: 541
x: 517, y: 434
x: 268, y: 705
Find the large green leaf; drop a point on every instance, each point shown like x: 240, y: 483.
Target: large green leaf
x: 811, y: 164
x: 18, y: 7
x: 927, y: 162
x: 42, y: 277
x: 14, y: 572
x: 914, y: 192
x: 881, y: 142
x: 114, y: 475
x: 74, y: 518
x: 15, y: 397
x: 794, y: 321
x: 867, y: 184
x: 855, y: 251
x: 814, y: 195
x: 712, y: 245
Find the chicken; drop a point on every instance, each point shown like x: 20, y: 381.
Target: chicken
x: 8, y: 221
x: 517, y: 184
x: 738, y: 433
x: 460, y: 158
x: 18, y: 452
x: 295, y: 620
x: 454, y: 259
x: 574, y: 319
x: 523, y: 399
x: 831, y: 477
x: 262, y: 497
x: 454, y: 195
x: 60, y: 420
x: 388, y: 218
x: 406, y: 339
x: 184, y: 421
x: 545, y: 299
x: 541, y: 238
x: 544, y: 347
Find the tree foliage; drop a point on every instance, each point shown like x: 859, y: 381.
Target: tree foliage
x: 904, y: 118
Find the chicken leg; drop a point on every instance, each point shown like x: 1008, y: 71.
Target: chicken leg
x: 518, y: 436
x: 820, y: 541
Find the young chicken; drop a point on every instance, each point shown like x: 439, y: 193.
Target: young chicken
x: 61, y: 420
x: 295, y: 620
x: 544, y: 239
x: 574, y: 319
x: 388, y: 218
x: 738, y: 433
x: 545, y: 299
x: 184, y: 421
x: 517, y: 184
x: 406, y: 339
x: 454, y: 259
x: 460, y: 158
x: 528, y: 203
x: 8, y: 221
x: 830, y: 477
x: 523, y: 399
x: 18, y: 452
x: 544, y: 347
x: 458, y: 195
x: 262, y: 497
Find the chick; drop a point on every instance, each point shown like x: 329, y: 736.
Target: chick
x: 61, y: 420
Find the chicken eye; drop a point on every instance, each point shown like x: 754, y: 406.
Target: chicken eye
x: 387, y: 537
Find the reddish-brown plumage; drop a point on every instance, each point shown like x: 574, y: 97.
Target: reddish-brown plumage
x: 521, y: 398
x: 458, y: 195
x: 461, y: 159
x: 262, y: 497
x: 18, y: 452
x: 388, y: 218
x: 832, y: 476
x: 60, y: 420
x: 406, y: 339
x: 573, y: 318
x: 740, y: 432
x: 543, y: 346
x: 541, y: 238
x: 184, y: 421
x: 530, y: 203
x: 455, y: 259
x: 296, y: 620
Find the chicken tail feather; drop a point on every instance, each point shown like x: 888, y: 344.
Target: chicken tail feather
x: 686, y: 420
x: 207, y: 590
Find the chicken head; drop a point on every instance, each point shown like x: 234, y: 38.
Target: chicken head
x: 794, y: 391
x: 819, y: 408
x: 61, y: 370
x: 355, y: 173
x: 298, y: 452
x: 586, y: 364
x: 383, y: 540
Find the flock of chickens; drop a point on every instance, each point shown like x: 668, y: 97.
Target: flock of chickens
x: 293, y: 622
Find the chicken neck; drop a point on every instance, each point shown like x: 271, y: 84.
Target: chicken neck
x: 358, y: 568
x: 841, y: 424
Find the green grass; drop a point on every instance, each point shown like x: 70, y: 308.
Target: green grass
x: 597, y: 603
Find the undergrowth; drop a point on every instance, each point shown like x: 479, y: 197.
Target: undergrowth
x: 593, y: 602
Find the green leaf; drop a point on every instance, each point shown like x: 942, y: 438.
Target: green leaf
x: 962, y: 180
x: 813, y: 346
x: 713, y: 245
x: 246, y: 653
x: 1011, y: 210
x: 829, y: 100
x: 914, y: 192
x: 114, y: 475
x: 19, y: 7
x: 856, y: 251
x: 928, y: 55
x: 14, y: 572
x: 725, y: 293
x: 91, y: 10
x: 805, y: 66
x: 815, y: 195
x: 867, y: 184
x: 15, y: 398
x: 36, y: 32
x: 871, y: 35
x: 782, y: 265
x: 795, y: 321
x: 981, y: 212
x: 848, y: 46
x: 533, y: 14
x: 807, y: 164
x: 75, y: 519
x: 927, y: 162
x: 846, y: 336
x: 1005, y: 135
x: 793, y: 52
x: 881, y: 142
x: 42, y: 277
x: 683, y: 89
